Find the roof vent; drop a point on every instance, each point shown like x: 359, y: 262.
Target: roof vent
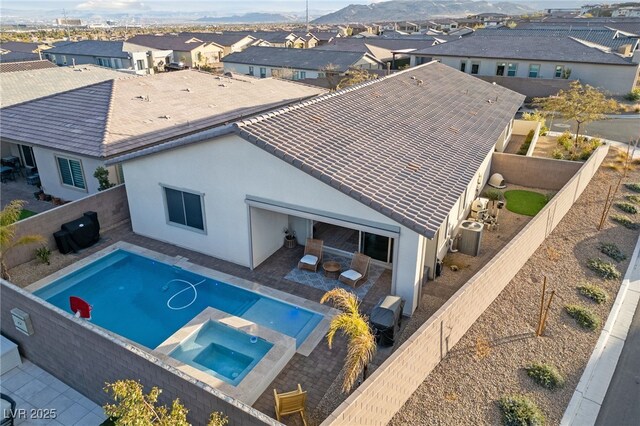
x: 420, y: 82
x: 490, y: 101
x: 316, y: 118
x: 166, y: 117
x: 414, y: 167
x: 454, y: 130
x: 186, y: 90
x: 222, y: 85
x: 413, y: 77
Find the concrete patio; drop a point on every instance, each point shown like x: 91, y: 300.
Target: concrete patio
x: 19, y: 189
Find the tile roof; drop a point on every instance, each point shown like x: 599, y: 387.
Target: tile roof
x: 406, y: 145
x: 217, y: 38
x: 19, y: 46
x: 270, y: 36
x: 564, y: 49
x: 26, y: 66
x: 18, y: 57
x: 17, y: 87
x: 305, y: 59
x: 380, y: 48
x: 166, y: 42
x: 119, y: 116
x: 604, y: 37
x: 105, y: 48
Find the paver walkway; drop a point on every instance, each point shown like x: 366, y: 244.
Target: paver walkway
x: 37, y: 392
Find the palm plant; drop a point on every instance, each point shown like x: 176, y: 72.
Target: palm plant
x: 362, y: 344
x: 8, y: 217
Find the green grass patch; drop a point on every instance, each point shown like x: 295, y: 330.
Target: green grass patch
x: 606, y: 270
x: 545, y: 375
x: 635, y: 187
x: 627, y: 208
x: 518, y: 410
x: 612, y: 251
x: 583, y: 316
x: 625, y: 221
x: 593, y: 292
x: 26, y: 213
x: 527, y: 203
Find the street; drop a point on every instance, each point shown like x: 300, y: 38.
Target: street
x: 616, y: 129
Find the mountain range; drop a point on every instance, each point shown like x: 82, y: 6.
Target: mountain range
x: 411, y: 10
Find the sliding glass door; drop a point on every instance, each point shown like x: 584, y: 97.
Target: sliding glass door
x: 377, y: 246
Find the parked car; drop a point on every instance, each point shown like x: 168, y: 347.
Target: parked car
x: 175, y: 66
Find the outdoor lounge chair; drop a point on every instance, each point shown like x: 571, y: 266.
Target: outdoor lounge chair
x: 8, y: 407
x: 291, y: 403
x: 358, y: 271
x: 312, y: 255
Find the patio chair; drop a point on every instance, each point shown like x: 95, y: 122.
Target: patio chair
x: 312, y: 255
x: 358, y: 271
x: 291, y: 403
x: 8, y: 406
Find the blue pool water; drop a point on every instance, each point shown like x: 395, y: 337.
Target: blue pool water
x: 222, y: 351
x: 129, y: 295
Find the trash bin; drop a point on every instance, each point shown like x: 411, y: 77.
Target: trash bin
x: 386, y: 318
x: 63, y: 241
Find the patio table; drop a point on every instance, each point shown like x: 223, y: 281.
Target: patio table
x: 7, y: 173
x: 331, y: 269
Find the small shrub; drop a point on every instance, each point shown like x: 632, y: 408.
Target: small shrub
x: 633, y: 198
x: 44, y: 254
x: 606, y: 270
x: 583, y: 316
x: 635, y: 187
x: 558, y: 154
x: 527, y: 142
x: 633, y: 95
x: 612, y: 251
x: 518, y: 410
x: 483, y: 347
x: 625, y: 221
x: 545, y: 375
x: 627, y: 208
x: 593, y: 292
x: 565, y: 140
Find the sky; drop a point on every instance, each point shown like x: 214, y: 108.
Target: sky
x: 224, y: 6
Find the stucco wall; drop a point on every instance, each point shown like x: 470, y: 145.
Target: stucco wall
x: 244, y: 69
x: 616, y: 79
x: 266, y: 232
x: 376, y: 400
x: 537, y: 172
x: 227, y: 170
x: 111, y: 206
x: 85, y: 358
x: 50, y: 175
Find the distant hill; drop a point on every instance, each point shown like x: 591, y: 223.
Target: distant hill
x: 412, y: 10
x: 252, y: 18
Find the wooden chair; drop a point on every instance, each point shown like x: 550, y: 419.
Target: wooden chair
x: 291, y: 403
x: 312, y: 255
x: 358, y: 271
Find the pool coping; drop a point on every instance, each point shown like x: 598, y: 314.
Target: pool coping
x: 261, y: 375
x: 305, y: 349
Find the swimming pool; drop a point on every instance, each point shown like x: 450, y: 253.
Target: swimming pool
x: 146, y: 300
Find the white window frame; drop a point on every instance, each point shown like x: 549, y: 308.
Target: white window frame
x: 515, y: 69
x: 251, y: 70
x: 180, y: 225
x: 62, y: 182
x: 263, y: 72
x: 463, y: 66
x: 561, y: 69
x: 138, y: 61
x: 471, y: 69
x: 504, y: 69
x: 537, y: 72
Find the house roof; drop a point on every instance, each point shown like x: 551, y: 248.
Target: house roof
x: 217, y: 38
x: 183, y: 43
x: 563, y: 49
x: 305, y: 59
x: 25, y: 66
x: 380, y: 48
x: 269, y: 36
x: 18, y: 57
x: 324, y: 35
x: 603, y: 37
x: 406, y: 145
x: 17, y: 87
x: 105, y: 48
x: 119, y: 116
x: 19, y: 46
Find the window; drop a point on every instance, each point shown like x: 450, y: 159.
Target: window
x: 303, y: 74
x: 321, y: 75
x: 534, y: 70
x: 463, y: 66
x: 27, y: 156
x: 71, y: 172
x: 263, y: 72
x: 184, y: 208
x: 104, y: 62
x: 140, y: 64
x: 296, y: 75
x: 559, y: 71
x: 250, y: 70
x: 500, y: 68
x: 52, y: 58
x: 475, y: 67
x: 512, y: 70
x: 64, y: 60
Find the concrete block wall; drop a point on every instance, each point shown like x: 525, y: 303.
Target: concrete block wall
x: 85, y: 358
x: 111, y: 205
x: 535, y: 172
x: 388, y: 388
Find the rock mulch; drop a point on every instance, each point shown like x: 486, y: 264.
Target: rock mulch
x: 488, y: 362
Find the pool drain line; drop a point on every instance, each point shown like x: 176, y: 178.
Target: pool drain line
x: 191, y: 287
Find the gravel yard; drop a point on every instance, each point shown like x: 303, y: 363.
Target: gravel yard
x: 488, y: 362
